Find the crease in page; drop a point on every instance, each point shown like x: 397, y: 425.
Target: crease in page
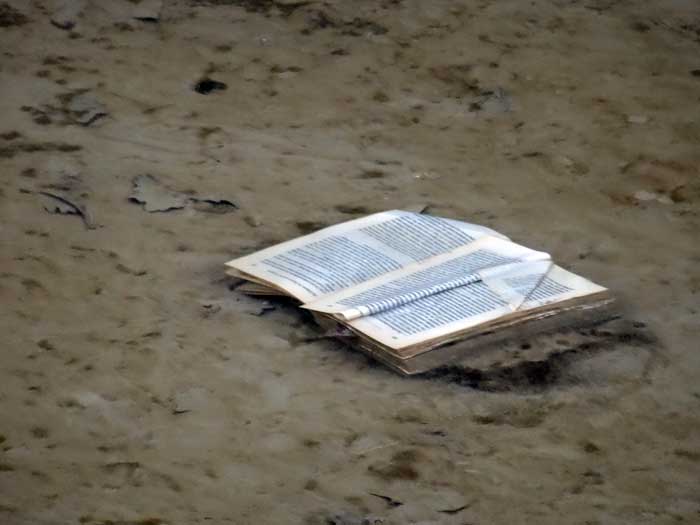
x: 517, y: 283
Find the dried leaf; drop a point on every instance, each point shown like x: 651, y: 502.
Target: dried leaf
x: 154, y: 196
x: 63, y: 206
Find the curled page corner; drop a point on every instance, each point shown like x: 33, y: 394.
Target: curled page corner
x: 516, y: 282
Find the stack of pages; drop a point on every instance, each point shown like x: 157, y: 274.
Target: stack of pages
x: 419, y: 291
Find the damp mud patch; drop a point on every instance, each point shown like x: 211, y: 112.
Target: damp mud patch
x: 614, y: 352
x: 9, y: 151
x: 9, y: 16
x: 306, y: 227
x: 264, y: 7
x: 206, y: 86
x: 356, y: 27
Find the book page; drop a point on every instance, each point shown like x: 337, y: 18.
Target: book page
x: 353, y: 252
x: 488, y: 259
x: 468, y: 306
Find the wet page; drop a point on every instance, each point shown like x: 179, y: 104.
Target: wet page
x: 458, y: 309
x: 354, y: 252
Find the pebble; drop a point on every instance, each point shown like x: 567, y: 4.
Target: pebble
x: 645, y: 196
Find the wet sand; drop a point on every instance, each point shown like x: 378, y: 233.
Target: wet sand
x: 138, y: 388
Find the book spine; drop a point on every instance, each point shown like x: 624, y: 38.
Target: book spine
x: 400, y: 300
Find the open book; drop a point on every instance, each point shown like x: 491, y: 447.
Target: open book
x: 409, y: 286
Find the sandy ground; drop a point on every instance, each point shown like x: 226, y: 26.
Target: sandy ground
x: 138, y: 388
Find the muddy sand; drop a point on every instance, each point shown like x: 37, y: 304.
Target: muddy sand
x: 138, y: 388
